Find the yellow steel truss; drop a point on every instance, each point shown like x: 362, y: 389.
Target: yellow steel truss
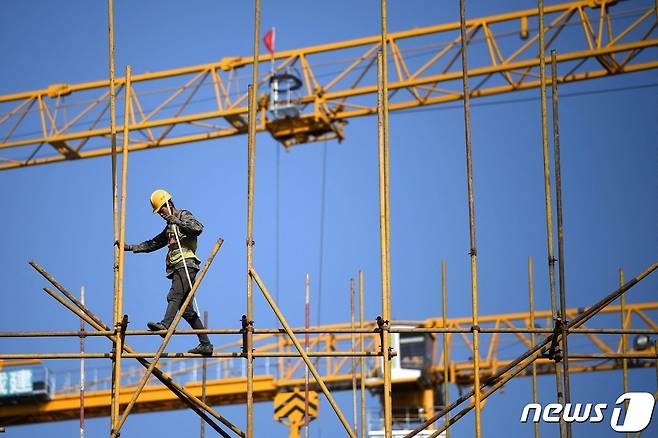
x: 594, y: 39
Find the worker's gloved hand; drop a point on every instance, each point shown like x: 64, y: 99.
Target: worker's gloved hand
x: 173, y: 220
x: 126, y: 246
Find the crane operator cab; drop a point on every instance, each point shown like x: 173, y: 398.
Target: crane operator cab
x: 286, y: 121
x: 285, y: 96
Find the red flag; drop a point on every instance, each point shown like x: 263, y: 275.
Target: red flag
x: 268, y: 39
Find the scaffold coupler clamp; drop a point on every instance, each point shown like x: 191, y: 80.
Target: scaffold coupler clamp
x: 247, y: 327
x: 122, y: 326
x: 554, y: 353
x: 383, y: 328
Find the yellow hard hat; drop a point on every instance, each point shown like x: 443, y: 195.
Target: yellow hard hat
x: 159, y: 198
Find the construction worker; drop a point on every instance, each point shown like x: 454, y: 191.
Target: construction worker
x: 180, y: 233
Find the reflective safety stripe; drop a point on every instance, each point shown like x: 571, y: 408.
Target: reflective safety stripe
x: 188, y: 244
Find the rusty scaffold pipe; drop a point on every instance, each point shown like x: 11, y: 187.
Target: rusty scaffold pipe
x: 90, y: 318
x: 516, y: 366
x: 531, y: 300
x: 248, y: 320
x: 560, y: 233
x: 446, y: 350
x: 384, y: 217
x: 304, y: 355
x: 471, y: 220
x: 116, y: 361
x: 564, y: 429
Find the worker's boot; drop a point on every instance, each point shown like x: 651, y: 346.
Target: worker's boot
x: 156, y: 326
x: 203, y: 349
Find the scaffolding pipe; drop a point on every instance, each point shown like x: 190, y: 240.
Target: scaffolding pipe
x: 385, y: 221
x: 194, y: 403
x: 307, y: 318
x: 471, y: 218
x: 236, y: 355
x: 252, y: 95
x: 548, y: 205
x: 82, y: 369
x: 384, y: 241
x: 165, y: 341
x: 624, y: 361
x: 303, y: 354
x: 531, y: 299
x: 560, y: 233
x: 114, y: 403
x: 204, y: 378
x: 118, y: 295
x: 373, y: 331
x: 446, y: 358
x: 353, y: 342
x: 362, y: 364
x: 534, y: 352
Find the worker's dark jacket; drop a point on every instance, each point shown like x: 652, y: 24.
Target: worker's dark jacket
x: 188, y: 229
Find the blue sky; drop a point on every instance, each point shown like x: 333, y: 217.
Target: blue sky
x: 60, y: 215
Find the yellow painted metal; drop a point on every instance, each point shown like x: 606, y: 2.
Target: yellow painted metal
x: 231, y: 390
x: 385, y: 215
x: 304, y: 355
x: 475, y: 324
x: 564, y: 429
x: 446, y: 342
x: 116, y: 360
x: 531, y: 324
x: 334, y: 98
x: 252, y: 95
x: 118, y: 298
x: 85, y: 314
x: 624, y: 346
x: 384, y: 219
x: 289, y: 409
x: 362, y: 363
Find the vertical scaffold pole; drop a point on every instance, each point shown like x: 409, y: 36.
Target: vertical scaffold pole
x: 471, y: 220
x: 560, y: 233
x: 251, y: 158
x: 82, y: 368
x: 307, y: 322
x: 384, y: 241
x: 114, y: 407
x: 118, y: 302
x: 531, y: 299
x: 624, y: 346
x: 446, y: 348
x: 362, y: 364
x: 547, y: 198
x: 385, y: 220
x: 250, y: 259
x: 353, y: 343
x: 204, y: 378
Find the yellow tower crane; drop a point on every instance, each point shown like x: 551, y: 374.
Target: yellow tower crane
x: 312, y: 92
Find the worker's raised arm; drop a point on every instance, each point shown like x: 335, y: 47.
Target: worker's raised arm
x: 159, y: 241
x: 187, y: 223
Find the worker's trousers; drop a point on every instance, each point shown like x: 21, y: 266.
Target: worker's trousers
x: 180, y: 287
